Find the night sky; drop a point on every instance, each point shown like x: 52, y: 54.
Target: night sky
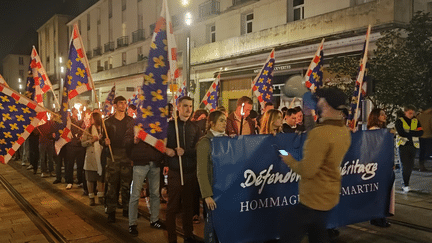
x: 19, y: 20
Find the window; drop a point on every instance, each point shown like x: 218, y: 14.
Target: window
x: 298, y: 7
x: 123, y: 58
x: 88, y: 21
x: 249, y: 20
x: 123, y: 5
x: 212, y: 36
x: 109, y: 8
x: 21, y: 60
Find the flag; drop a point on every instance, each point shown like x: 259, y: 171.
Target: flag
x: 180, y: 92
x: 314, y: 74
x: 262, y: 87
x: 211, y: 98
x: 2, y: 81
x: 19, y: 116
x: 109, y: 101
x: 134, y: 99
x: 360, y: 87
x: 77, y: 81
x: 39, y: 77
x: 152, y: 111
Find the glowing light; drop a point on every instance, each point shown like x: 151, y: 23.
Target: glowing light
x: 185, y: 2
x: 60, y: 60
x: 188, y: 18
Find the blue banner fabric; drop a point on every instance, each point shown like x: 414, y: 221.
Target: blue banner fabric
x: 253, y: 188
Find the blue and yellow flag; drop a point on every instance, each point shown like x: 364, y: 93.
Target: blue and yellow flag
x: 211, y: 98
x: 77, y: 81
x: 109, y: 101
x: 19, y: 116
x: 263, y: 87
x: 152, y: 111
x: 314, y: 74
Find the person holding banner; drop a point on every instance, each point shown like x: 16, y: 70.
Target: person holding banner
x: 320, y: 184
x: 239, y: 122
x: 180, y: 196
x: 409, y: 130
x: 271, y: 122
x: 377, y: 120
x: 216, y: 123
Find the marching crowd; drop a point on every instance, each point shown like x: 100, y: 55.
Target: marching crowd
x: 111, y: 161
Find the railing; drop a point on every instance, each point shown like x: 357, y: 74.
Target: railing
x: 142, y: 57
x: 109, y: 46
x: 138, y: 35
x: 89, y: 54
x: 237, y: 2
x: 97, y: 51
x: 122, y: 41
x: 209, y: 8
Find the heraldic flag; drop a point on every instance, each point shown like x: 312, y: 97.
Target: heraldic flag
x: 2, y: 81
x: 19, y: 116
x: 40, y: 79
x: 211, y: 98
x: 314, y: 74
x: 152, y: 111
x: 76, y: 82
x: 360, y: 87
x: 263, y: 88
x: 134, y: 99
x: 180, y: 92
x: 109, y: 101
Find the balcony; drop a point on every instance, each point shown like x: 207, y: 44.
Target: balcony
x: 238, y: 2
x: 89, y: 54
x: 97, y: 51
x: 209, y: 8
x: 109, y: 47
x: 141, y: 57
x: 138, y: 35
x: 122, y: 41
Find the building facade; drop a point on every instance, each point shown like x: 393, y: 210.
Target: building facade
x: 233, y: 37
x: 15, y: 71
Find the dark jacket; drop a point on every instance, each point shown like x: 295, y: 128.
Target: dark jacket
x: 189, y: 134
x: 143, y: 153
x: 76, y: 133
x: 233, y: 129
x: 125, y: 141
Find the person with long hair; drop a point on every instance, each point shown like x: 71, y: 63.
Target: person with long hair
x: 377, y: 120
x: 216, y: 124
x: 92, y: 163
x: 271, y: 122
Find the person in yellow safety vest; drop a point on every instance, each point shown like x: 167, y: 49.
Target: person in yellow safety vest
x: 409, y: 130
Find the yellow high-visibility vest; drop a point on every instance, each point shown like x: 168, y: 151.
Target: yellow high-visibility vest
x: 402, y: 140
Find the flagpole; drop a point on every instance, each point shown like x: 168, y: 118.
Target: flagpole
x: 363, y: 64
x: 177, y: 133
x: 93, y: 87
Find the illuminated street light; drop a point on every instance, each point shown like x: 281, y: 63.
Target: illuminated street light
x: 185, y: 2
x: 19, y: 80
x: 62, y: 69
x: 60, y: 60
x: 188, y: 18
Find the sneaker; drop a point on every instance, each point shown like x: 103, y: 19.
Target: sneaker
x: 406, y: 188
x: 133, y: 230
x: 80, y: 185
x: 157, y: 225
x: 53, y: 174
x: 44, y: 175
x: 23, y: 163
x: 56, y: 181
x: 111, y: 217
x: 69, y: 186
x: 29, y: 167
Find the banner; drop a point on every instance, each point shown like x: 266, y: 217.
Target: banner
x: 254, y: 190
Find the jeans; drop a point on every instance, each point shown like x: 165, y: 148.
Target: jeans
x: 425, y: 149
x: 140, y: 172
x: 74, y: 154
x: 46, y: 153
x: 304, y: 220
x: 407, y: 155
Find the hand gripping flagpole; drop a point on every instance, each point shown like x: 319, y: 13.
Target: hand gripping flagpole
x: 177, y: 132
x: 93, y: 88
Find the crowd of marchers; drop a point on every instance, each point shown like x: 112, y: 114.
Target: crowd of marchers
x: 109, y: 162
